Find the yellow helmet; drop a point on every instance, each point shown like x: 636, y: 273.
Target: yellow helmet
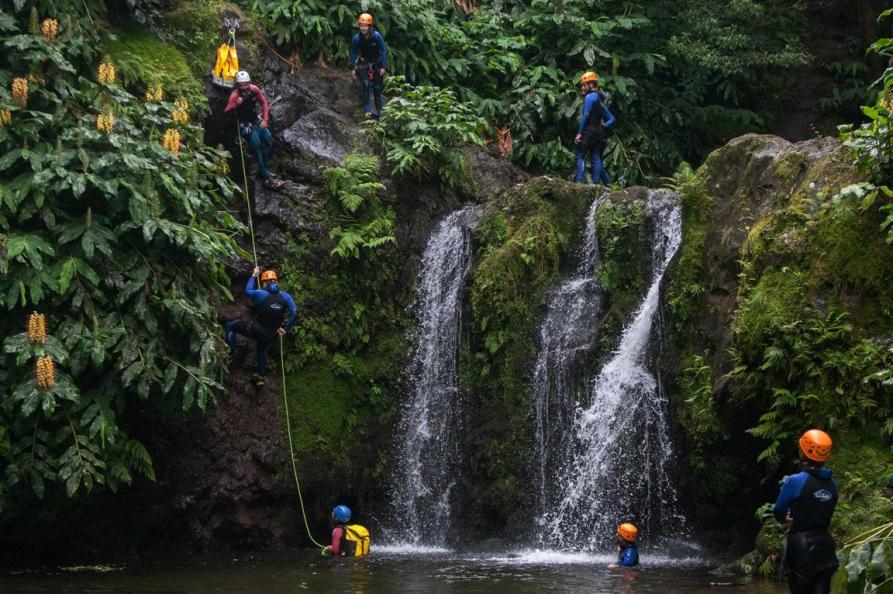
x: 816, y: 445
x: 589, y: 77
x: 365, y: 19
x: 269, y: 276
x: 627, y: 532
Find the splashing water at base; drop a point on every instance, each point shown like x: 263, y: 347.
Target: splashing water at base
x: 428, y: 435
x: 621, y: 458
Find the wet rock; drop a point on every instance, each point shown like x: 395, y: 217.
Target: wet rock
x: 321, y: 136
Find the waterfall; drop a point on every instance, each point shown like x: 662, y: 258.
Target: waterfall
x: 620, y: 458
x: 566, y: 337
x: 428, y: 435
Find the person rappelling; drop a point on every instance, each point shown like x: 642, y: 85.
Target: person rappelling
x: 591, y: 137
x: 253, y: 116
x: 368, y: 63
x: 348, y: 540
x: 806, y: 503
x: 271, y: 306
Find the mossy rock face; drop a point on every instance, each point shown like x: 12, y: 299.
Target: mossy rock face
x: 524, y: 243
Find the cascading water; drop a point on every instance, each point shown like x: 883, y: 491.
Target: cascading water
x: 621, y: 454
x: 566, y: 336
x: 428, y: 435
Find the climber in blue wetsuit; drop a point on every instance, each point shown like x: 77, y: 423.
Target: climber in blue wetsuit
x: 271, y: 305
x: 806, y: 503
x: 627, y: 552
x: 591, y: 137
x: 368, y: 62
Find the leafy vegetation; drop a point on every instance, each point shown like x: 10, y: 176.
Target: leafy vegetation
x: 110, y: 228
x: 683, y: 77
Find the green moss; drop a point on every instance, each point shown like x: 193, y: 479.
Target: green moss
x: 142, y: 60
x: 319, y: 402
x: 861, y: 462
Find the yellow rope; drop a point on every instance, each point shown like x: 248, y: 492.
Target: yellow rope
x: 291, y: 447
x: 247, y: 199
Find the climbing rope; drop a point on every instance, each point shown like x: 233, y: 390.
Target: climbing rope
x: 247, y: 198
x: 291, y: 447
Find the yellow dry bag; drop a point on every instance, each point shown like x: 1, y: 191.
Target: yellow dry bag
x: 227, y: 63
x: 356, y: 541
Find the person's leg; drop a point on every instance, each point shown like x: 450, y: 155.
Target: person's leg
x: 233, y: 327
x: 262, y: 346
x: 800, y: 584
x: 596, y: 167
x: 366, y: 84
x: 266, y: 144
x: 606, y: 179
x: 581, y: 166
x: 254, y: 143
x: 822, y: 583
x: 376, y: 91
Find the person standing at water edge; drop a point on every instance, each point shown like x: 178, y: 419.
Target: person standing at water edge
x: 368, y: 61
x: 806, y: 503
x: 348, y: 540
x: 627, y: 552
x: 591, y: 137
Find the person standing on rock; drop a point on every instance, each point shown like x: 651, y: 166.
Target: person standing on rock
x: 271, y: 304
x: 591, y: 137
x: 806, y: 503
x: 253, y: 115
x: 368, y: 62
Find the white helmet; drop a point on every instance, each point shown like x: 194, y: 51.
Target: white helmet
x: 242, y: 77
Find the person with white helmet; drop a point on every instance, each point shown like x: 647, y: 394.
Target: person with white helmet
x: 253, y: 114
x: 368, y: 61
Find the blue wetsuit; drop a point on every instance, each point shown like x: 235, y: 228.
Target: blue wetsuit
x: 628, y: 556
x: 270, y: 305
x: 374, y: 54
x: 810, y: 557
x: 593, y: 135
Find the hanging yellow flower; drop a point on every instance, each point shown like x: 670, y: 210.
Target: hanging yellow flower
x: 45, y: 372
x: 49, y: 28
x: 887, y: 102
x: 20, y: 91
x: 37, y: 328
x: 171, y: 141
x: 5, y: 117
x: 182, y: 104
x: 221, y: 167
x: 155, y: 94
x: 106, y: 73
x: 180, y: 116
x: 105, y: 122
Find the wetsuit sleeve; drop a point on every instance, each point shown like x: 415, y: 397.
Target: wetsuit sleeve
x: 336, y: 540
x: 628, y: 557
x: 790, y: 490
x: 257, y: 295
x: 262, y: 101
x: 609, y: 117
x: 293, y: 310
x: 231, y: 104
x: 383, y: 50
x: 588, y: 102
x: 354, y: 50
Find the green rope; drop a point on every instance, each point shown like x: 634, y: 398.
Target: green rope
x: 291, y: 447
x: 247, y: 199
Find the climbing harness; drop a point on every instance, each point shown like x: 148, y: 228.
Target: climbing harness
x: 291, y: 448
x: 227, y: 63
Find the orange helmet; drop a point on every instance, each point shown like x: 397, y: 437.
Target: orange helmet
x: 589, y: 77
x: 269, y: 276
x: 816, y: 445
x: 365, y: 19
x: 627, y: 532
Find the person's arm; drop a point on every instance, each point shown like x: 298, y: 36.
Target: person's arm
x: 354, y: 50
x: 609, y: 118
x: 588, y: 102
x: 790, y: 490
x: 257, y: 295
x: 383, y: 50
x: 336, y: 541
x: 233, y: 101
x: 262, y: 100
x: 293, y: 311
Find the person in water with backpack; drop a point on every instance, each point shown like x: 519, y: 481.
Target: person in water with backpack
x: 271, y: 306
x: 627, y: 552
x: 253, y: 115
x: 348, y: 540
x: 806, y: 503
x: 591, y: 137
x: 368, y: 62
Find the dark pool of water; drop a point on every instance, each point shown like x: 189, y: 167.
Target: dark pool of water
x: 389, y: 569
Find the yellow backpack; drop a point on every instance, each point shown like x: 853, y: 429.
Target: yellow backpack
x: 227, y: 63
x: 358, y: 541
